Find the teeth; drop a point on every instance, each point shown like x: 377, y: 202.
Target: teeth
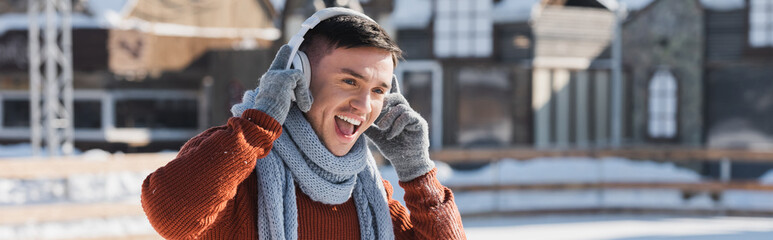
x: 353, y: 121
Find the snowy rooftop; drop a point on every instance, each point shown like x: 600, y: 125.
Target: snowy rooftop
x: 103, y: 12
x: 412, y: 14
x: 408, y: 14
x: 509, y: 11
x: 417, y: 14
x: 113, y: 14
x: 723, y: 5
x: 716, y: 5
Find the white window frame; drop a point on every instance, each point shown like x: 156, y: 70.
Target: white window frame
x: 463, y: 28
x: 663, y: 105
x: 436, y: 132
x: 760, y: 20
x: 108, y: 132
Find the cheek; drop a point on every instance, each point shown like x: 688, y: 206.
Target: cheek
x: 376, y: 107
x: 317, y: 83
x: 314, y: 88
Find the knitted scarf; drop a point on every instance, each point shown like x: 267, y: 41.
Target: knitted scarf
x: 298, y: 156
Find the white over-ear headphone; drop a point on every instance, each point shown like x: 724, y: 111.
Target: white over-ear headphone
x: 299, y: 59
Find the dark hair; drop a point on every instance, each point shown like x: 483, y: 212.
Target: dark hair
x: 346, y: 31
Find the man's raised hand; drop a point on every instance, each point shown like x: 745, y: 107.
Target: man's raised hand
x: 276, y: 89
x: 401, y: 134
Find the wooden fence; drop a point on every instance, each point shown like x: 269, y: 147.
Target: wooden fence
x: 658, y: 154
x: 723, y: 156
x: 64, y: 167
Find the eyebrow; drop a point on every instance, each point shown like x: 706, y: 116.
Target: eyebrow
x: 357, y: 75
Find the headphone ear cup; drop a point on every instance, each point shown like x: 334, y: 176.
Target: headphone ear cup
x: 305, y: 64
x: 301, y: 62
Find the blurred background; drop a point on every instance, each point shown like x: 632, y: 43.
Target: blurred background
x: 550, y: 119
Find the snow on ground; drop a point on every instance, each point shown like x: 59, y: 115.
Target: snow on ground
x: 125, y: 187
x: 580, y: 170
x: 23, y: 150
x: 617, y: 227
x: 83, y: 188
x: 79, y: 229
x: 562, y: 170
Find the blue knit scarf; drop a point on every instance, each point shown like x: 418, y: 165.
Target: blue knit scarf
x: 298, y: 156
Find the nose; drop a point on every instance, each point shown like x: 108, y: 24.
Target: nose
x: 361, y: 102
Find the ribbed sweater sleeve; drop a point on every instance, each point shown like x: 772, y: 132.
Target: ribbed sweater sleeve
x: 183, y: 198
x: 433, y: 213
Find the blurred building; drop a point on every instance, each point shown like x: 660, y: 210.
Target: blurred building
x: 485, y: 73
x: 144, y: 71
x: 737, y: 75
x: 539, y: 73
x: 503, y: 73
x: 699, y: 73
x: 664, y: 59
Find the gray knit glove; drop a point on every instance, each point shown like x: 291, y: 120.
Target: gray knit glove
x: 400, y: 133
x: 276, y: 89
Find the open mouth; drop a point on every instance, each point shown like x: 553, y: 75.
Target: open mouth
x: 347, y: 126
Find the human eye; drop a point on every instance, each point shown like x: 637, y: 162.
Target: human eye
x: 378, y: 91
x: 349, y: 81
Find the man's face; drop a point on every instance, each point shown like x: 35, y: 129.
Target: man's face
x: 348, y: 86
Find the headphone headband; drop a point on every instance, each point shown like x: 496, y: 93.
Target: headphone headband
x: 299, y: 60
x: 316, y: 18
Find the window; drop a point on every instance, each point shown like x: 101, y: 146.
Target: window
x: 418, y: 91
x: 87, y: 114
x: 98, y: 115
x: 761, y: 23
x: 156, y: 113
x: 662, y: 122
x: 484, y: 111
x: 16, y: 113
x: 422, y: 85
x: 463, y: 28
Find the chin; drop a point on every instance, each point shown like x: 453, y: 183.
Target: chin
x: 341, y: 149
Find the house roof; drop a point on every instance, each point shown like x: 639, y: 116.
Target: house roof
x: 412, y: 14
x: 723, y: 5
x: 207, y: 19
x: 417, y: 14
x: 640, y: 6
x: 96, y: 15
x: 635, y: 5
x: 716, y: 5
x: 514, y: 11
x: 510, y: 11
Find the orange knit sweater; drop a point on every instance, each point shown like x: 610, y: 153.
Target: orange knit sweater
x: 210, y: 192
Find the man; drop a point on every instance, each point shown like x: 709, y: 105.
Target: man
x: 284, y: 170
